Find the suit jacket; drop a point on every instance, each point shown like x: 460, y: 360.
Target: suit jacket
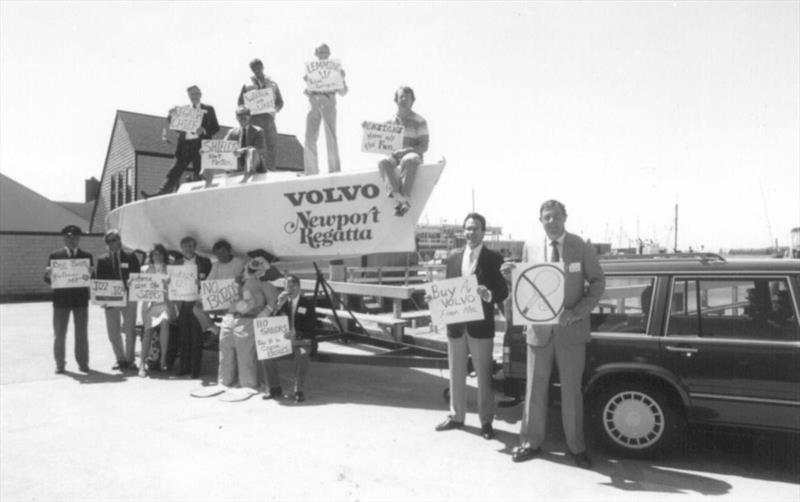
x: 487, y: 271
x: 70, y: 297
x: 581, y: 267
x: 128, y: 264
x: 254, y: 138
x: 209, y: 123
x: 203, y: 266
x: 305, y: 319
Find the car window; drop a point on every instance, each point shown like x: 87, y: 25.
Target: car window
x: 745, y: 308
x: 624, y: 306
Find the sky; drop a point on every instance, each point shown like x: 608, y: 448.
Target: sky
x: 620, y: 110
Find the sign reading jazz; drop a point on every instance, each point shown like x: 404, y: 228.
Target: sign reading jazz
x: 271, y: 341
x: 324, y: 75
x: 108, y: 293
x: 70, y: 273
x: 219, y: 154
x: 218, y: 294
x: 454, y: 300
x: 147, y: 287
x: 538, y: 292
x: 183, y: 283
x: 260, y: 101
x: 381, y: 138
x: 186, y: 118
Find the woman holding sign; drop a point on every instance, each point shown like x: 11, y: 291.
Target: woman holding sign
x: 156, y: 314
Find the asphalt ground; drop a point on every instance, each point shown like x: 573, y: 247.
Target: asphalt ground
x: 365, y: 433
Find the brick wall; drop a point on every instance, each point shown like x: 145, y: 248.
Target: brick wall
x: 23, y: 258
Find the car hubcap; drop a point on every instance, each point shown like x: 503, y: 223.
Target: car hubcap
x: 633, y: 420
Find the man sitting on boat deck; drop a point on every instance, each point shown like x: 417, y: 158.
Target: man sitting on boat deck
x: 409, y: 158
x: 188, y: 149
x: 251, y: 142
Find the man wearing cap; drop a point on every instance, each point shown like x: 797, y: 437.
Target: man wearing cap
x: 264, y: 119
x: 189, y: 143
x: 323, y: 109
x: 252, y: 143
x: 117, y: 265
x: 70, y: 300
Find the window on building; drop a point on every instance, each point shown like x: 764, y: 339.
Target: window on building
x: 624, y: 306
x: 120, y: 189
x: 128, y: 185
x: 740, y: 308
x: 113, y: 192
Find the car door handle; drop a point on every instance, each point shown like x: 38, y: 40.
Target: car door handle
x: 687, y: 350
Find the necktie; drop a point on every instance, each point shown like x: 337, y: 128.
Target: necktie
x: 115, y: 261
x: 291, y: 314
x: 555, y: 256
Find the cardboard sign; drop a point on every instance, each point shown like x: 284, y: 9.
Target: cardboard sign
x: 260, y: 101
x: 538, y: 293
x: 271, y: 341
x: 183, y: 283
x: 70, y: 273
x: 147, y: 287
x: 324, y: 75
x: 381, y: 138
x: 219, y: 294
x: 219, y: 154
x: 186, y: 119
x: 454, y: 300
x: 108, y: 293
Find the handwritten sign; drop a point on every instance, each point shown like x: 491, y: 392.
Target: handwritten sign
x: 186, y: 118
x: 219, y: 294
x: 108, y: 293
x: 324, y: 75
x: 147, y: 287
x: 260, y: 101
x: 538, y: 293
x: 381, y: 138
x: 183, y: 283
x: 454, y: 300
x: 70, y: 273
x: 271, y: 341
x: 219, y: 154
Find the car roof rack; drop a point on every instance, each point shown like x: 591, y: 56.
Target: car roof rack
x: 701, y: 257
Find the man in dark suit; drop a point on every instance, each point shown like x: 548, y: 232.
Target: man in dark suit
x: 189, y: 143
x: 118, y: 265
x: 191, y: 333
x: 476, y: 337
x: 564, y: 342
x: 74, y: 300
x: 251, y: 142
x: 302, y: 321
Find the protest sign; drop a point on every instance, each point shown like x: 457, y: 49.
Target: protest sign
x: 454, y: 300
x: 183, y: 283
x: 147, y: 287
x: 538, y: 293
x: 186, y: 118
x: 219, y: 154
x: 70, y: 273
x: 324, y: 75
x: 219, y: 294
x: 260, y: 101
x: 271, y: 341
x: 108, y: 293
x: 381, y: 138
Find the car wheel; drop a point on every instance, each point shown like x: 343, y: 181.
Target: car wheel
x: 634, y: 419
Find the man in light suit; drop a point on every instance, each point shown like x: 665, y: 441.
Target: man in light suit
x: 474, y: 337
x: 564, y: 342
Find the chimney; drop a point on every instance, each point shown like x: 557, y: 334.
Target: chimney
x: 92, y: 188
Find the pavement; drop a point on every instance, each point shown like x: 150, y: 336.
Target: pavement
x: 365, y: 433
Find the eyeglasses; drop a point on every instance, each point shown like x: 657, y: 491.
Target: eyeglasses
x: 112, y: 240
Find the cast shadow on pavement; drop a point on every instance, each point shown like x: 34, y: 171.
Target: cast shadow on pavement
x: 95, y: 376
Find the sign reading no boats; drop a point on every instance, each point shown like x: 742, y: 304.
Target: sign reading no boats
x: 538, y: 292
x: 381, y: 138
x: 186, y: 118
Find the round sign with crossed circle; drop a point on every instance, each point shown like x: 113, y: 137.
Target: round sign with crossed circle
x: 539, y: 293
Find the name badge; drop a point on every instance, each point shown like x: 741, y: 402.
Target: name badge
x: 301, y: 310
x: 574, y: 267
x: 124, y: 265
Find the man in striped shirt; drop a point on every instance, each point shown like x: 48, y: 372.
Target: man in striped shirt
x: 409, y: 158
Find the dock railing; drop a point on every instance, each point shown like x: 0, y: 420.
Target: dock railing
x: 395, y: 275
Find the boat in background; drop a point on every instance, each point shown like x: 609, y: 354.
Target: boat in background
x: 294, y: 217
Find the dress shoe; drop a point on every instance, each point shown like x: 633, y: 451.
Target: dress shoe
x: 487, y: 431
x: 274, y: 393
x: 60, y: 371
x: 299, y: 397
x: 119, y: 366
x: 523, y: 453
x: 449, y: 424
x: 84, y: 369
x: 131, y: 367
x: 581, y: 460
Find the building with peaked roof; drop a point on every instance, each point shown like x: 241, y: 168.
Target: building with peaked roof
x: 138, y: 160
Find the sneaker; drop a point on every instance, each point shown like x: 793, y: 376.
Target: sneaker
x: 402, y: 208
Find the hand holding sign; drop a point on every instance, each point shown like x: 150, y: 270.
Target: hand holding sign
x: 108, y: 293
x: 70, y: 273
x: 381, y: 138
x: 260, y: 101
x: 186, y: 118
x: 271, y: 337
x: 538, y: 293
x: 324, y: 75
x: 454, y: 300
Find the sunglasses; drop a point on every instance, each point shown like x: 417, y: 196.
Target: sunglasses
x: 112, y: 240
